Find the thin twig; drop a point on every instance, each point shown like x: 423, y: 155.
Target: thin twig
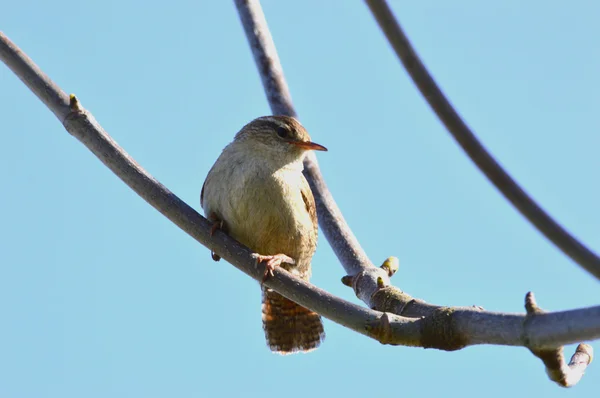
x: 558, y: 370
x: 465, y: 137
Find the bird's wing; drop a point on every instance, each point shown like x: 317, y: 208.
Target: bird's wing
x: 309, y: 202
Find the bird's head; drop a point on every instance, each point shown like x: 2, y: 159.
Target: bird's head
x: 280, y: 138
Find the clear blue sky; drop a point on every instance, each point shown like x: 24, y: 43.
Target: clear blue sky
x: 101, y: 296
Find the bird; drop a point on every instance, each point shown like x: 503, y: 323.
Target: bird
x: 256, y: 193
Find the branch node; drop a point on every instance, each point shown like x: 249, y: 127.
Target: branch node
x: 387, y: 299
x: 381, y: 329
x: 563, y: 374
x: 439, y: 331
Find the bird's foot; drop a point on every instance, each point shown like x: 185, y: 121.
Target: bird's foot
x: 216, y: 224
x: 272, y: 262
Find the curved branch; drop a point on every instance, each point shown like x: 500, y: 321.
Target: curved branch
x: 83, y: 126
x: 445, y: 328
x: 511, y: 190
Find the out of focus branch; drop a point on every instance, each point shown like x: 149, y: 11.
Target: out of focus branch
x: 466, y: 138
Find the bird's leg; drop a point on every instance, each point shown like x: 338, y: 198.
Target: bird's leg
x: 272, y: 262
x: 216, y: 224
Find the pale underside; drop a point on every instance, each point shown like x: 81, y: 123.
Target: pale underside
x: 271, y: 212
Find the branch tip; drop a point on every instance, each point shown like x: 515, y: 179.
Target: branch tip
x: 584, y: 349
x: 74, y: 104
x: 531, y: 305
x: 347, y: 280
x: 391, y: 265
x: 563, y: 374
x: 439, y: 331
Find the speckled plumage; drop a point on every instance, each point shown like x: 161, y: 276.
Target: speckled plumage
x: 257, y: 189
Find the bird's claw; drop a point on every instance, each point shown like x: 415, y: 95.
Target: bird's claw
x: 216, y: 224
x: 272, y: 262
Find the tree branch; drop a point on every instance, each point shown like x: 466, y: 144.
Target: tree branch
x: 372, y: 285
x: 558, y: 370
x: 339, y: 235
x: 467, y: 139
x: 336, y: 230
x: 445, y: 328
x: 83, y: 126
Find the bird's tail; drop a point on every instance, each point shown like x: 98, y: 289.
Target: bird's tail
x: 289, y: 327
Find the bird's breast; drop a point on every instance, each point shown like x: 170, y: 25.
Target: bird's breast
x: 265, y: 211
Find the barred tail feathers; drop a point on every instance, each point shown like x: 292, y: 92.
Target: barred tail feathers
x: 289, y: 327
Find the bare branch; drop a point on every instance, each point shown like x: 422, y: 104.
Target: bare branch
x: 265, y: 55
x: 367, y: 281
x: 554, y: 358
x: 339, y: 235
x: 465, y: 137
x: 336, y: 230
x: 444, y: 328
x: 372, y: 285
x: 33, y: 77
x: 82, y: 125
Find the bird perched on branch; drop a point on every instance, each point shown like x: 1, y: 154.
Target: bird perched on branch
x: 257, y: 194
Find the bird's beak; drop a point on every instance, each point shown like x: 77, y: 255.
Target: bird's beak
x: 308, y: 145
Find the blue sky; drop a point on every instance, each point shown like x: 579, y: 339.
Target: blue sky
x: 101, y: 296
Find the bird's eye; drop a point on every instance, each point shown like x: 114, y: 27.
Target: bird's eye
x: 282, y: 132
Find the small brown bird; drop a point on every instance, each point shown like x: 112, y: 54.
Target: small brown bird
x: 257, y: 194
